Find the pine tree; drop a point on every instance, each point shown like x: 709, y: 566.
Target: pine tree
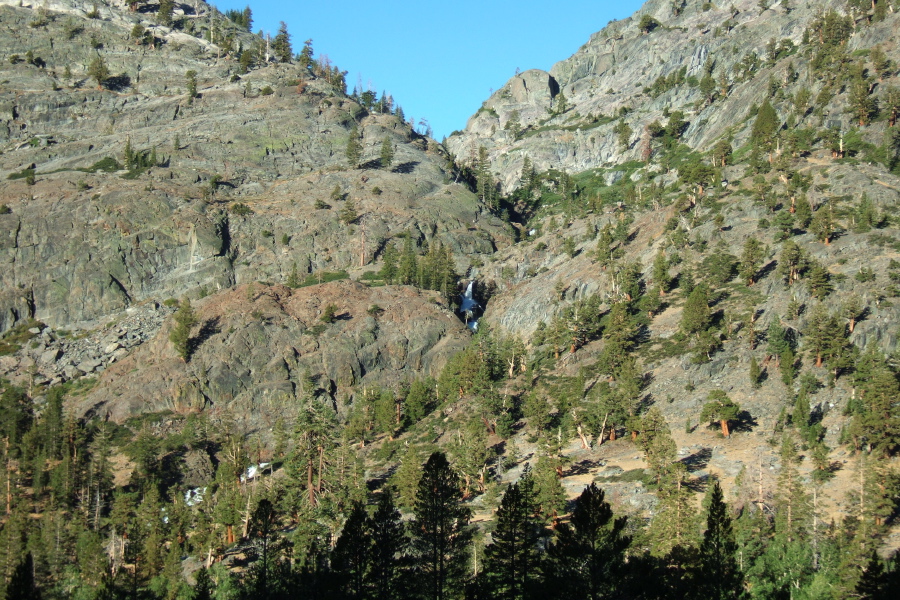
x: 203, y: 585
x: 720, y: 408
x: 164, y: 14
x: 765, y: 127
x: 293, y: 279
x: 407, y: 476
x: 282, y: 44
x: 438, y: 530
x: 549, y: 493
x: 674, y: 526
x: 409, y: 266
x: 751, y: 257
x: 306, y: 55
x: 348, y: 214
x: 21, y: 585
x: 755, y: 373
x: 661, y: 272
x: 880, y: 419
x: 388, y: 551
x: 823, y: 224
x: 604, y: 243
x: 656, y: 442
x: 511, y: 561
x: 387, y: 153
x: 718, y: 576
x: 352, y: 555
x: 180, y: 336
x: 191, y: 82
x: 98, y: 71
x: 389, y: 259
x: 696, y: 316
x: 354, y: 148
x: 588, y: 555
x: 484, y: 180
x: 862, y: 104
x: 790, y: 262
x: 261, y: 527
x: 561, y: 103
x: 818, y: 331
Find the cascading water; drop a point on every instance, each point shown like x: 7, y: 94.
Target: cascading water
x: 469, y: 307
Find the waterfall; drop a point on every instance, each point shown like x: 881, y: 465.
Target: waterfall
x: 469, y: 307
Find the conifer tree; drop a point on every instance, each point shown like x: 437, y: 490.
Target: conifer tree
x: 719, y: 577
x: 354, y: 148
x: 823, y: 223
x: 790, y: 262
x: 293, y: 279
x: 387, y: 153
x: 185, y: 319
x: 202, y: 586
x: 549, y: 493
x: 21, y: 585
x: 604, y: 243
x: 348, y: 214
x: 306, y: 55
x: 661, y: 272
x: 755, y: 373
x: 98, y: 71
x: 674, y: 525
x: 389, y: 564
x: 438, y: 530
x: 656, y: 442
x: 389, y: 259
x: 751, y: 258
x: 352, y: 555
x: 588, y: 554
x: 484, y: 180
x: 164, y: 14
x: 765, y: 127
x: 406, y: 479
x: 696, y: 316
x: 511, y: 561
x: 409, y: 265
x: 862, y: 104
x: 720, y: 408
x: 282, y: 44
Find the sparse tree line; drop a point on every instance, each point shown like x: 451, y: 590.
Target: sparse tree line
x: 317, y: 532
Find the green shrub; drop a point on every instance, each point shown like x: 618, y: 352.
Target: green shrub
x: 106, y: 164
x: 266, y: 91
x: 23, y: 174
x: 328, y: 315
x: 240, y: 209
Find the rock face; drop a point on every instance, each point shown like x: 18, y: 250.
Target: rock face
x: 80, y: 243
x: 610, y: 80
x: 258, y: 348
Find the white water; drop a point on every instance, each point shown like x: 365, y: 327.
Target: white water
x: 468, y: 306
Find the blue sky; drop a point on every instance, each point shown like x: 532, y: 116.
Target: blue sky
x: 439, y: 60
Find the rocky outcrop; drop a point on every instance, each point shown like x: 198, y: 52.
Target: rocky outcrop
x: 52, y: 356
x: 89, y: 239
x: 609, y: 80
x: 259, y: 349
